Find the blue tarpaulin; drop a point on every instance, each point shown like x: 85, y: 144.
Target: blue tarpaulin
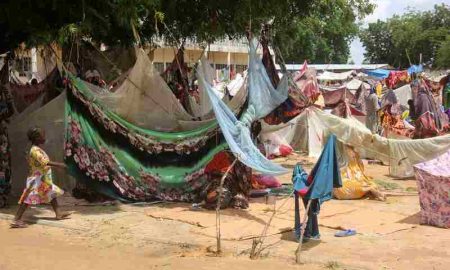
x: 415, y: 69
x: 378, y: 73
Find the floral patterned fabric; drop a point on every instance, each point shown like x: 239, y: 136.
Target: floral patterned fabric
x: 144, y: 142
x: 39, y: 188
x: 433, y: 181
x: 111, y: 166
x: 5, y: 164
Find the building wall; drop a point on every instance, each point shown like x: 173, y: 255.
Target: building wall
x: 236, y: 61
x: 35, y: 62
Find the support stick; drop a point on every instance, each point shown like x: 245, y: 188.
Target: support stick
x: 219, y: 201
x: 302, y: 231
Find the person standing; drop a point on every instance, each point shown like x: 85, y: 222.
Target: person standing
x: 372, y: 107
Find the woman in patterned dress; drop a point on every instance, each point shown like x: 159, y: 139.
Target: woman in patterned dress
x: 39, y: 187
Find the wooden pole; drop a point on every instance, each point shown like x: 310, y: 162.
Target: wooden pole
x: 302, y: 231
x: 219, y: 201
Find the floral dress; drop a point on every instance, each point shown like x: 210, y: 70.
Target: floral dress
x: 40, y: 188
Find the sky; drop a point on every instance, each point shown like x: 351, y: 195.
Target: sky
x: 386, y: 9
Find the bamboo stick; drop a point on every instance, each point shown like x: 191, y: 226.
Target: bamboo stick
x: 302, y: 231
x: 219, y: 201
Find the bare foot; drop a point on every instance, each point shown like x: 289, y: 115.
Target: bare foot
x: 62, y: 216
x: 18, y: 224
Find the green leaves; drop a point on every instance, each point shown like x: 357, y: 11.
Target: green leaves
x: 323, y: 36
x: 405, y: 37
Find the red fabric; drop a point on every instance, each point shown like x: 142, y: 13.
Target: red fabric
x: 220, y: 163
x: 395, y: 77
x: 394, y: 124
x: 265, y: 181
x: 302, y: 192
x: 285, y: 150
x: 425, y: 126
x: 332, y: 97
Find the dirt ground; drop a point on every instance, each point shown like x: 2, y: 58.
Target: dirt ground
x: 172, y: 236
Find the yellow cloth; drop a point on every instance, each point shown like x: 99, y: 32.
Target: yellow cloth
x: 355, y: 184
x: 405, y: 114
x: 379, y: 90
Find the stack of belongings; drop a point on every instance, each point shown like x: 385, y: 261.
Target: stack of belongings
x: 433, y: 181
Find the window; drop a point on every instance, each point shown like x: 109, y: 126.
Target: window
x: 223, y: 72
x: 159, y: 67
x: 241, y: 68
x: 24, y: 66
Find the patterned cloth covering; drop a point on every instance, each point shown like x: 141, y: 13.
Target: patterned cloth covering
x: 5, y: 170
x: 433, y: 180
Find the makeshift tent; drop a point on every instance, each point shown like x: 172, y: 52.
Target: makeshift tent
x: 331, y: 76
x: 25, y: 95
x: 378, y: 73
x: 354, y: 84
x: 403, y: 94
x: 144, y: 96
x: 112, y: 156
x: 433, y: 181
x: 332, y: 96
x: 309, y: 129
x: 51, y: 118
x: 415, y: 69
x: 237, y: 132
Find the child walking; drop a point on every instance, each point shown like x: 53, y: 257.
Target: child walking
x: 39, y: 187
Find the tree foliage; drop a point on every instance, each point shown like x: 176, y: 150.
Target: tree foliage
x: 325, y: 34
x: 401, y: 39
x: 304, y: 29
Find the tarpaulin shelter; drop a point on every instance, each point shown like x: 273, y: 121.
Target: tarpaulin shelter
x: 308, y: 130
x: 25, y: 95
x: 99, y: 136
x: 415, y: 69
x: 332, y: 96
x: 433, y: 181
x: 378, y: 73
x: 332, y: 76
x: 118, y: 144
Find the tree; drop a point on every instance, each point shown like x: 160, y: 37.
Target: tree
x: 443, y: 54
x: 401, y: 39
x: 325, y: 34
x: 304, y: 29
x: 110, y: 22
